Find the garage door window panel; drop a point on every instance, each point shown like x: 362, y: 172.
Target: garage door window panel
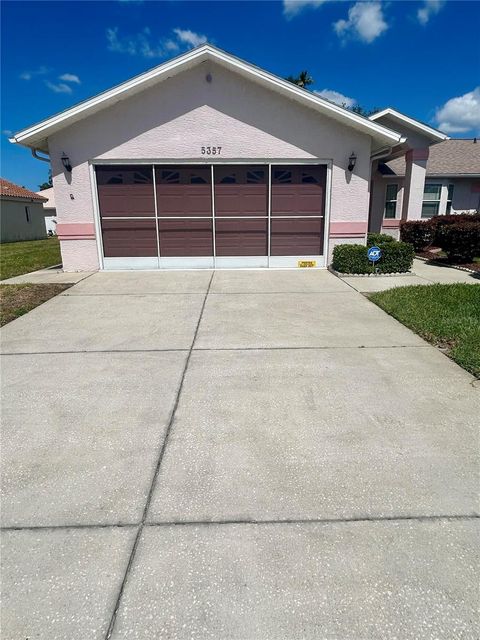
x: 129, y: 238
x: 298, y: 191
x: 241, y: 191
x: 183, y: 191
x: 125, y: 191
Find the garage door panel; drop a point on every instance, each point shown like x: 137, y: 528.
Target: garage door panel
x: 185, y: 238
x: 242, y: 237
x: 184, y: 200
x: 241, y: 200
x: 291, y: 237
x: 129, y: 238
x: 297, y: 200
x: 125, y: 191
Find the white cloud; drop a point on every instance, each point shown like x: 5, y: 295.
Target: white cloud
x: 336, y: 97
x: 190, y: 37
x: 460, y: 114
x: 7, y: 132
x: 69, y: 77
x: 61, y: 87
x: 293, y: 7
x: 143, y: 44
x: 28, y: 75
x: 365, y: 22
x: 429, y: 9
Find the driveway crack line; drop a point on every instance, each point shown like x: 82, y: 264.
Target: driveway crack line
x: 161, y: 455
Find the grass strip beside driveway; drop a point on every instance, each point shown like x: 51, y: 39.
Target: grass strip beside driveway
x: 18, y: 299
x: 17, y: 258
x: 447, y: 315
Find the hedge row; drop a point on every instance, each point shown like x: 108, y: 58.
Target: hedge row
x: 397, y: 257
x: 457, y: 235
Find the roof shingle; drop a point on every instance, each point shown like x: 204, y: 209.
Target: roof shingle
x: 449, y: 158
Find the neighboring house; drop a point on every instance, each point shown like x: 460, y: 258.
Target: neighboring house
x: 49, y: 211
x: 21, y: 213
x: 209, y: 161
x: 451, y: 185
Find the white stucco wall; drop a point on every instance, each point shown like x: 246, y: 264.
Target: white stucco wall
x: 176, y: 118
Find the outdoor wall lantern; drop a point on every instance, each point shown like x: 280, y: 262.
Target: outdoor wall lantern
x: 352, y: 161
x: 66, y: 162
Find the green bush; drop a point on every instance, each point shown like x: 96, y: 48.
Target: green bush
x: 378, y: 238
x: 419, y: 233
x: 397, y: 257
x: 439, y: 222
x: 460, y: 241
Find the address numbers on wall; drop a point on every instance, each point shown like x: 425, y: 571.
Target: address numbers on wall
x: 211, y: 151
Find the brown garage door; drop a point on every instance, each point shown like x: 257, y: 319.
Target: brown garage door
x: 184, y: 204
x: 127, y: 211
x: 241, y: 210
x: 160, y: 212
x: 298, y: 207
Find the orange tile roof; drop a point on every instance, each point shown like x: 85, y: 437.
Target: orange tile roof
x: 11, y: 190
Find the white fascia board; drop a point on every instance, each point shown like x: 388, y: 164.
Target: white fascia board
x: 38, y: 132
x: 430, y: 131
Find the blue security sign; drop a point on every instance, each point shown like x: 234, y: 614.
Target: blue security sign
x: 374, y: 254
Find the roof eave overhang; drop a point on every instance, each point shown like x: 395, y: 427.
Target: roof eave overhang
x: 36, y: 136
x: 433, y: 134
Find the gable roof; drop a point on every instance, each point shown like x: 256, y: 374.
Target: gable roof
x: 36, y: 136
x: 420, y: 127
x: 10, y: 190
x: 452, y: 157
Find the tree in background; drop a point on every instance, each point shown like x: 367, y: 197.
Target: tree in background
x: 48, y: 184
x: 302, y: 80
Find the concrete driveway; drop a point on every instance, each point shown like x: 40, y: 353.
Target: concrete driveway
x: 245, y: 455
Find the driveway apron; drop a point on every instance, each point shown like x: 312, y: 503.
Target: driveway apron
x: 239, y: 454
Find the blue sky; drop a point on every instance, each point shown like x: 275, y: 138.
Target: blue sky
x: 420, y: 57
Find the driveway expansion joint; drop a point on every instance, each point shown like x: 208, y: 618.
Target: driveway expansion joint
x: 196, y: 349
x: 226, y: 522
x: 153, y: 483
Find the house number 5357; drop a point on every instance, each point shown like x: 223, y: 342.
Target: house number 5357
x: 211, y: 151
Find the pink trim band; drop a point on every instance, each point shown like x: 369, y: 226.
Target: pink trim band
x: 348, y: 229
x: 76, y: 231
x: 391, y: 223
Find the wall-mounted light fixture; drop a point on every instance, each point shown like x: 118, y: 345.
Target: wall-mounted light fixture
x: 352, y: 161
x: 66, y: 162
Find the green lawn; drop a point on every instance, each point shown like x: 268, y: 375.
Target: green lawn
x: 447, y: 315
x: 17, y: 258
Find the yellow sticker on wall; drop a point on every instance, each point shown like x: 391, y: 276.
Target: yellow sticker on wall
x: 306, y: 263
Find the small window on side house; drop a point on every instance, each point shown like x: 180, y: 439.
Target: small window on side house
x: 391, y: 201
x: 431, y: 200
x: 449, y: 199
x: 27, y: 213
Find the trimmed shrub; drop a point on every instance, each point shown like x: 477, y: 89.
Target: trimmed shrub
x: 460, y: 241
x: 439, y: 222
x: 378, y: 238
x: 351, y: 258
x: 397, y: 257
x: 419, y: 233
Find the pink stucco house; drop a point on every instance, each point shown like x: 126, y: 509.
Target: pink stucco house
x: 208, y: 161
